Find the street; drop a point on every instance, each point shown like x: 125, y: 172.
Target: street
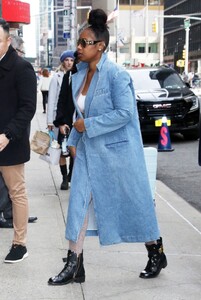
x: 179, y: 169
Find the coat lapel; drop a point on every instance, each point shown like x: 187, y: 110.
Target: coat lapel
x: 78, y: 80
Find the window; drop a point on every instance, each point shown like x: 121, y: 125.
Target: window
x: 141, y: 2
x: 140, y: 48
x: 153, y: 48
x: 124, y: 50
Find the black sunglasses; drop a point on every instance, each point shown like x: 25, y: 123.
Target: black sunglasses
x: 84, y: 42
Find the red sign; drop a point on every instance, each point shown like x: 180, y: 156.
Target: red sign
x: 16, y: 11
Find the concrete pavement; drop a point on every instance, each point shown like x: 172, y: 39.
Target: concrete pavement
x: 112, y: 272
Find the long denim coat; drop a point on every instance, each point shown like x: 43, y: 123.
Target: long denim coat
x: 109, y: 164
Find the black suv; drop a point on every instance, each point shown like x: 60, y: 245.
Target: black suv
x: 161, y: 92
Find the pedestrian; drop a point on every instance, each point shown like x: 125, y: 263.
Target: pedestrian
x: 66, y: 60
x: 109, y: 168
x: 65, y: 111
x: 18, y: 105
x: 43, y: 86
x: 6, y: 217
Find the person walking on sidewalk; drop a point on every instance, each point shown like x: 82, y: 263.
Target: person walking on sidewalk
x: 65, y: 111
x: 43, y: 86
x: 6, y: 212
x: 66, y: 59
x: 107, y: 130
x: 18, y: 106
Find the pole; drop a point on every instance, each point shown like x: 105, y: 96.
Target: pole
x: 147, y: 29
x: 187, y: 28
x: 73, y: 27
x: 116, y: 29
x: 130, y: 35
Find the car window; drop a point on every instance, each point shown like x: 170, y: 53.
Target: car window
x: 155, y: 79
x: 142, y: 81
x: 170, y: 81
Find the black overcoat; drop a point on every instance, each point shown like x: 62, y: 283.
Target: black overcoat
x: 65, y: 105
x: 18, y: 93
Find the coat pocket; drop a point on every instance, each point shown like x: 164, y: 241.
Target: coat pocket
x: 117, y: 138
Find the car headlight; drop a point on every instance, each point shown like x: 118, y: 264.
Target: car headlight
x: 195, y: 101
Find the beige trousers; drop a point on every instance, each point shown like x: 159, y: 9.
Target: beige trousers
x: 15, y: 182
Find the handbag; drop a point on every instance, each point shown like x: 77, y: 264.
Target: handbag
x: 52, y: 156
x: 53, y: 153
x: 40, y: 142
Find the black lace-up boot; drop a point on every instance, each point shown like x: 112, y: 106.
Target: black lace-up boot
x: 157, y: 260
x: 64, y: 184
x: 73, y: 271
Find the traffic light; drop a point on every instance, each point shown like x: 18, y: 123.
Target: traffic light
x: 155, y: 26
x: 184, y: 54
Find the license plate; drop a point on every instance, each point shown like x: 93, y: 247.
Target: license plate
x: 158, y: 123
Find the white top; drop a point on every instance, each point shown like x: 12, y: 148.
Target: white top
x: 44, y: 83
x: 81, y: 102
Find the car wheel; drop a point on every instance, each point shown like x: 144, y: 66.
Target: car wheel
x: 192, y: 135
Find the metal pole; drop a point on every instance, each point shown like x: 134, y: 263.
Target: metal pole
x: 116, y: 28
x: 73, y: 27
x: 147, y: 29
x: 130, y: 35
x: 187, y: 50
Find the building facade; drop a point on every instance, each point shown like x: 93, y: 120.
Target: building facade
x: 132, y: 39
x: 58, y: 41
x: 175, y: 34
x: 139, y: 43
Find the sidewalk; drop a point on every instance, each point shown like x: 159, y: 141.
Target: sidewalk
x: 111, y: 272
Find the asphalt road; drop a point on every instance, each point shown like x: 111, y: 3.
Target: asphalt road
x: 179, y: 169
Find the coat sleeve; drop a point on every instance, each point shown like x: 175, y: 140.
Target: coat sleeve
x: 74, y: 137
x: 60, y: 114
x: 123, y: 99
x: 65, y: 106
x: 40, y: 83
x: 26, y: 86
x: 52, y: 99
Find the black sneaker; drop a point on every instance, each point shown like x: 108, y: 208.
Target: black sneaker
x: 17, y: 253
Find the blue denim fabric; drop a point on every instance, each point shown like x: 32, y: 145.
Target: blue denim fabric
x: 110, y: 161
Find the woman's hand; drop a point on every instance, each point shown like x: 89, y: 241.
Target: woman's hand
x: 79, y: 125
x: 64, y: 129
x: 50, y: 127
x: 72, y: 151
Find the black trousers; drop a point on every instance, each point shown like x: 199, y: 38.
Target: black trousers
x: 45, y: 99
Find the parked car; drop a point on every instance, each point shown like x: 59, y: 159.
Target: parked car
x: 161, y: 92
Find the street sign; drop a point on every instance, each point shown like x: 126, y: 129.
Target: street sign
x: 187, y: 23
x: 66, y: 23
x: 180, y: 63
x: 66, y: 3
x: 66, y: 12
x: 66, y: 35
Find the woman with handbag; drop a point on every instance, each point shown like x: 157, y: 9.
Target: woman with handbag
x: 106, y: 131
x: 66, y: 63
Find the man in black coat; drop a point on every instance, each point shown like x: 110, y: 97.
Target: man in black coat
x: 6, y: 213
x: 17, y: 108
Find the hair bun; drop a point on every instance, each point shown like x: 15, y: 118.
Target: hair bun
x: 98, y: 19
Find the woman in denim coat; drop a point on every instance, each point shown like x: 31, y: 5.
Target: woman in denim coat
x: 109, y: 168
